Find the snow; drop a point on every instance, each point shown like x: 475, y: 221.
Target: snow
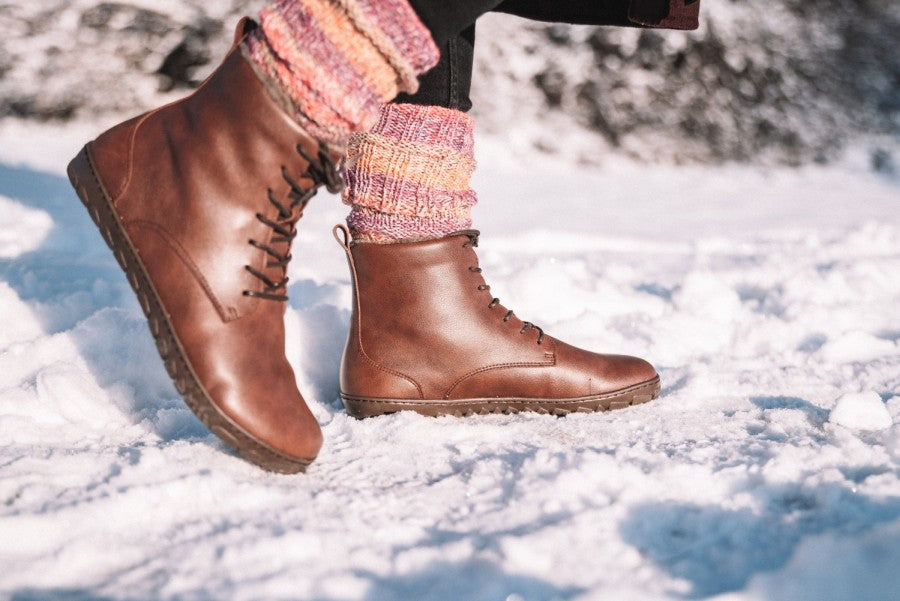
x: 861, y: 411
x: 763, y: 296
x: 830, y: 567
x: 22, y: 229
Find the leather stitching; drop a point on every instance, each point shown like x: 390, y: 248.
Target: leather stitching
x: 186, y: 259
x: 131, y: 143
x: 360, y: 350
x: 129, y: 172
x: 550, y: 363
x: 518, y: 401
x: 362, y: 353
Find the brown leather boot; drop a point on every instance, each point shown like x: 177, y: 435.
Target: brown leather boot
x: 426, y: 335
x: 198, y: 201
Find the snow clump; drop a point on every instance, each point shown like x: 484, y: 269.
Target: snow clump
x: 861, y: 411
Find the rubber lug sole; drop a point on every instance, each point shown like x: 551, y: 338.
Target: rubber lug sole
x: 634, y: 395
x: 95, y: 199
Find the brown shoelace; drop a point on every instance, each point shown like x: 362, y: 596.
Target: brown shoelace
x: 473, y: 236
x: 323, y: 172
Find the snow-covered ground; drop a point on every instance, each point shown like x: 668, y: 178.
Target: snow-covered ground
x: 765, y: 297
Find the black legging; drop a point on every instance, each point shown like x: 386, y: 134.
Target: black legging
x: 452, y: 25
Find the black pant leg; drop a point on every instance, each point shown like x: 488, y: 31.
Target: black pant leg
x: 610, y: 12
x: 446, y: 19
x: 452, y: 26
x: 450, y: 82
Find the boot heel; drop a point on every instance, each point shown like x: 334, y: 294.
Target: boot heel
x: 84, y: 180
x: 358, y: 408
x: 363, y: 408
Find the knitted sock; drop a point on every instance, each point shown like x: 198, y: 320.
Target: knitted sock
x: 410, y: 180
x: 339, y: 61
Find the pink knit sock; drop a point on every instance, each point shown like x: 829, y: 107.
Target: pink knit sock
x: 339, y: 61
x: 411, y: 178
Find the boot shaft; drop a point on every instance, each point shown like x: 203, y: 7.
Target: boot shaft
x: 424, y: 319
x: 203, y: 169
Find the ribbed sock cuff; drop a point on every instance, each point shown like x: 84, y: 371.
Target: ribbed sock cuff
x: 339, y: 61
x: 412, y: 174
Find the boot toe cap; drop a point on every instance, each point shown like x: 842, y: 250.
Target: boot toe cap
x: 280, y: 421
x: 636, y: 370
x: 615, y: 372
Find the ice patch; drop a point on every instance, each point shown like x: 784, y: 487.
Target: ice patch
x: 861, y: 411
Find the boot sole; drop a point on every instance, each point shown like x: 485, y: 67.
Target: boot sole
x: 93, y: 195
x: 633, y: 395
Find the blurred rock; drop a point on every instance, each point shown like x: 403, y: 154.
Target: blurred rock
x: 773, y: 82
x: 63, y: 60
x: 787, y: 82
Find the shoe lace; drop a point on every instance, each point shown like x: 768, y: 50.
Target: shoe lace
x: 527, y: 326
x: 322, y: 170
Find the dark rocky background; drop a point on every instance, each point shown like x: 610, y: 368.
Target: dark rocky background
x: 776, y: 81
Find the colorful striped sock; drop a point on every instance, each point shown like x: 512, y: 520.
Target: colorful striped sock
x: 339, y: 61
x: 411, y: 175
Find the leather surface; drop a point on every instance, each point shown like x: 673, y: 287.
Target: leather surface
x: 422, y: 329
x: 187, y: 181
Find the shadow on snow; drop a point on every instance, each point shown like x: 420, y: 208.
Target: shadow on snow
x: 73, y: 284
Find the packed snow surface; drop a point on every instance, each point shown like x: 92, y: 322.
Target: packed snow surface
x: 763, y: 296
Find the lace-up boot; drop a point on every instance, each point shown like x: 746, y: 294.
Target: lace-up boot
x: 199, y: 202
x: 426, y: 335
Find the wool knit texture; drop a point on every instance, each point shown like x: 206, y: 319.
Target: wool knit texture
x: 410, y: 175
x: 339, y: 61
